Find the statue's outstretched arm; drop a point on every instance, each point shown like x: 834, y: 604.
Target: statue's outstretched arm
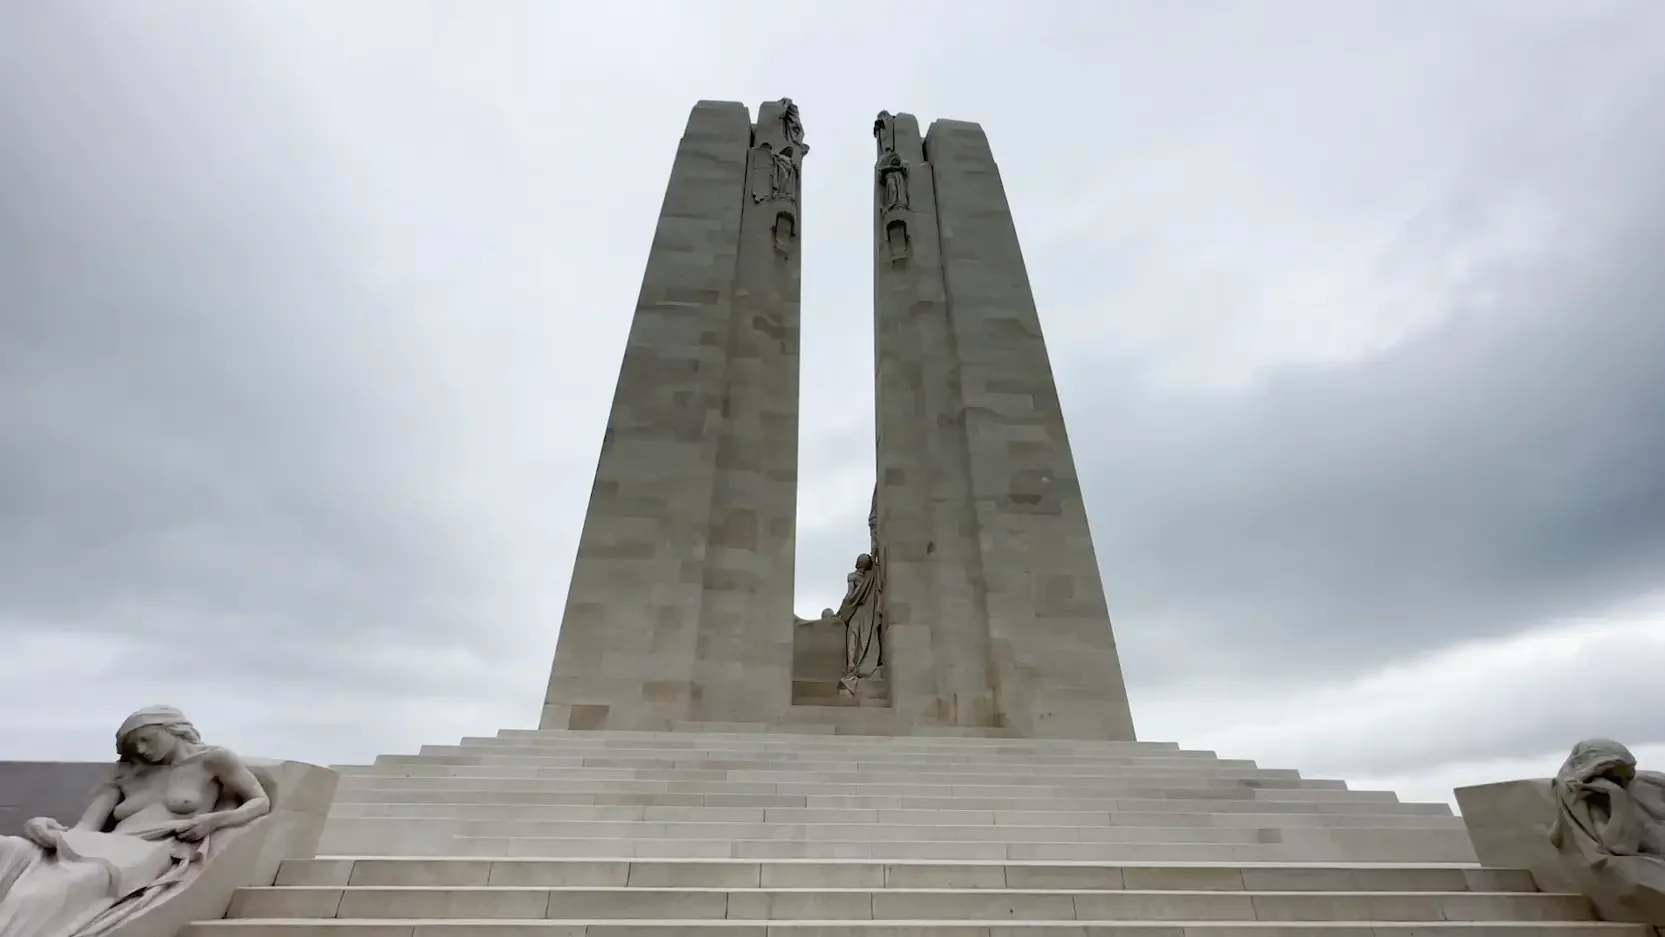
x: 236, y: 778
x: 97, y: 814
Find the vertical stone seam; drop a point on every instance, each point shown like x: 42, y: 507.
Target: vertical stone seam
x: 962, y: 458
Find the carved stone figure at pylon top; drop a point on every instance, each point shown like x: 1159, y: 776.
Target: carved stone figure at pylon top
x: 786, y: 175
x: 884, y: 131
x: 794, y: 127
x: 893, y: 175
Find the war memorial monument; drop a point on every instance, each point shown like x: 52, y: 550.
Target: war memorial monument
x: 950, y: 752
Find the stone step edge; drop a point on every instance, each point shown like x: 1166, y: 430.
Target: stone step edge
x: 914, y: 890
x: 891, y: 821
x: 1141, y: 811
x: 1072, y: 863
x: 794, y: 770
x: 991, y: 851
x: 536, y: 828
x: 1118, y: 789
x: 788, y: 731
x: 763, y: 763
x: 1272, y: 821
x: 420, y: 795
x: 1143, y: 927
x: 929, y: 753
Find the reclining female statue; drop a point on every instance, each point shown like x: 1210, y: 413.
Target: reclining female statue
x: 147, y: 833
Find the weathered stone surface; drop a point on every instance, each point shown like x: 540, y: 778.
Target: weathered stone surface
x: 744, y: 649
x: 995, y: 604
x: 639, y: 583
x: 682, y: 589
x: 936, y: 632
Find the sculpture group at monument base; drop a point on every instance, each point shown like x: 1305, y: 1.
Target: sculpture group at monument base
x: 748, y: 829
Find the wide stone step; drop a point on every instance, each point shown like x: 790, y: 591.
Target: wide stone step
x: 798, y: 815
x: 455, y: 871
x: 815, y: 750
x: 816, y: 831
x: 894, y: 904
x: 558, y: 757
x: 303, y: 927
x: 832, y: 774
x: 1244, y: 801
x: 1377, y: 846
x: 1314, y: 789
x: 802, y: 741
x: 823, y: 753
x: 813, y: 831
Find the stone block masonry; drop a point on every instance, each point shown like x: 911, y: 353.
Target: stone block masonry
x: 680, y: 607
x: 996, y: 611
x: 683, y: 575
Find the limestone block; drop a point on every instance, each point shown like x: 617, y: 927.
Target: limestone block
x: 1508, y: 823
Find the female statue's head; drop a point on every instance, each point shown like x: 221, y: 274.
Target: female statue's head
x: 155, y: 735
x: 1598, y: 758
x: 864, y: 562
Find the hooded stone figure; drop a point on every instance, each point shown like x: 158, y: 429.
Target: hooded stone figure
x: 1610, y: 824
x: 147, y: 833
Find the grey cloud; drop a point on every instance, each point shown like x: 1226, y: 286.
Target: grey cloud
x: 1498, y: 470
x: 206, y: 452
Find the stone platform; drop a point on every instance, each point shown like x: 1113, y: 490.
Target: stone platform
x: 808, y: 832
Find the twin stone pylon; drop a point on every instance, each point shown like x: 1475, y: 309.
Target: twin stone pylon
x: 987, y: 607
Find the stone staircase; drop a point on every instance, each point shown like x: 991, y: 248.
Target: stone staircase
x: 733, y: 830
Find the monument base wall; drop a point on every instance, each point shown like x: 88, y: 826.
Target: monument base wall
x: 56, y: 789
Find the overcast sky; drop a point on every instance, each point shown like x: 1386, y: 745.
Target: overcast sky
x: 310, y: 316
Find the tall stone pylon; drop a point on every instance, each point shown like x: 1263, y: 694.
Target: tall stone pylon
x: 680, y: 606
x: 994, y: 606
x: 990, y: 612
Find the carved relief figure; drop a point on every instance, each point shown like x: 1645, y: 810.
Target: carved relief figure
x: 146, y: 834
x: 862, y: 623
x: 896, y: 239
x: 884, y: 131
x: 794, y: 127
x: 785, y: 184
x: 873, y: 523
x: 761, y: 173
x: 893, y: 176
x: 1610, y: 821
x: 786, y: 229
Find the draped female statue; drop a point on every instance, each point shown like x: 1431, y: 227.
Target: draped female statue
x: 146, y: 834
x: 1610, y: 823
x: 862, y: 623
